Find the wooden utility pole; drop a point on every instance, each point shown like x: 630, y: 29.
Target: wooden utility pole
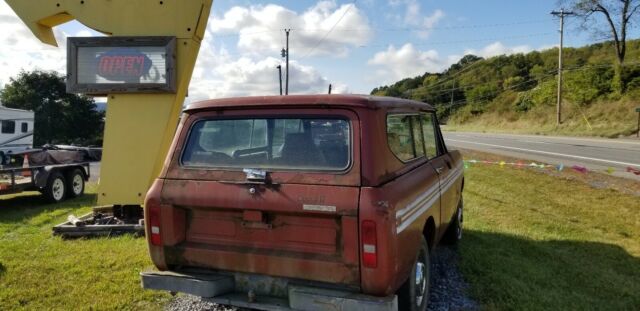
x: 561, y: 14
x: 280, y: 77
x: 286, y: 92
x: 453, y: 88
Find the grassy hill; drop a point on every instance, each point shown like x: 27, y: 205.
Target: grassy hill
x: 517, y: 93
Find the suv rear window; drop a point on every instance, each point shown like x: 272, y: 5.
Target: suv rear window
x: 270, y: 143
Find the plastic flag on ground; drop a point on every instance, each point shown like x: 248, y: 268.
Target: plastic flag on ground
x: 580, y: 169
x: 559, y: 167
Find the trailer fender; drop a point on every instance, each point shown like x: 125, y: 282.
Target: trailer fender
x: 41, y: 176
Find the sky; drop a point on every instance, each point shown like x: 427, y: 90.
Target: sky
x: 353, y: 45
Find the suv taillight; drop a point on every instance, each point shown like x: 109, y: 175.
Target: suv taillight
x: 154, y: 224
x: 369, y: 244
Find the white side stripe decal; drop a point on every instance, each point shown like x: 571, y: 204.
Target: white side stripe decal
x: 413, y: 210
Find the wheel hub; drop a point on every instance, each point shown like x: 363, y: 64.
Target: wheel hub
x: 58, y: 189
x: 421, y: 284
x: 459, y: 220
x: 77, y: 184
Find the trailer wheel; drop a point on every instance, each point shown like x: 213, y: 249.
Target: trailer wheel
x: 56, y: 188
x: 75, y: 183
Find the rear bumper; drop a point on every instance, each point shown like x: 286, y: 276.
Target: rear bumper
x: 232, y: 290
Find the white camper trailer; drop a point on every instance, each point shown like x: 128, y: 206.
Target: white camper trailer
x: 16, y: 131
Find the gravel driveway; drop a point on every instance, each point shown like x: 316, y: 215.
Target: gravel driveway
x: 447, y: 288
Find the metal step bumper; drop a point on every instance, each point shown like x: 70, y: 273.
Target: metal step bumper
x: 222, y: 289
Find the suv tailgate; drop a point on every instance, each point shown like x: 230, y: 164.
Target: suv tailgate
x: 291, y: 230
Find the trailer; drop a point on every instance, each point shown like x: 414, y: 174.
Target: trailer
x: 16, y: 131
x: 56, y: 182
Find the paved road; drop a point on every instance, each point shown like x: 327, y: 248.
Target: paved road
x: 593, y: 153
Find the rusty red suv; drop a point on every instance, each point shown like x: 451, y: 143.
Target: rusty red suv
x: 327, y: 202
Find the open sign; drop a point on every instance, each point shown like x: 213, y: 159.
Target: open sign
x: 104, y: 65
x: 123, y: 65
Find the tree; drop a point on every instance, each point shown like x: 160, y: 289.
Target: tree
x: 618, y: 16
x: 60, y: 118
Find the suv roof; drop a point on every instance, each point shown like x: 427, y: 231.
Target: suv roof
x: 362, y: 101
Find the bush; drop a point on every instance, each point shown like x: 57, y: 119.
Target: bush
x: 481, y: 94
x: 585, y: 86
x: 524, y: 102
x: 545, y: 93
x: 516, y: 84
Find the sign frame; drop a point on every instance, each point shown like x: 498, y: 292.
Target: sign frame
x: 102, y: 89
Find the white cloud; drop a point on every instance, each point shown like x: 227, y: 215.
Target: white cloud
x: 220, y: 74
x: 497, y: 48
x: 248, y: 77
x: 395, y: 64
x: 252, y: 71
x: 414, y: 17
x: 21, y: 50
x: 429, y: 22
x: 260, y: 28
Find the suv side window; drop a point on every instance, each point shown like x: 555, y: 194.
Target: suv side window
x: 404, y: 136
x: 418, y: 140
x: 430, y: 136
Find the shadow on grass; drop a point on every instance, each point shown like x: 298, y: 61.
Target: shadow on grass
x: 513, y: 272
x: 19, y: 208
x: 2, y: 270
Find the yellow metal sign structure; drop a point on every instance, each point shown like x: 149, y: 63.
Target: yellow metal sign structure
x: 139, y: 127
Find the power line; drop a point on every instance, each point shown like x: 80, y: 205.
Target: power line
x: 392, y: 29
x: 542, y: 34
x: 424, y: 44
x: 539, y: 79
x: 331, y: 29
x: 449, y: 78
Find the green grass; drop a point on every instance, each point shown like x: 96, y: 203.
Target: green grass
x: 532, y: 242
x: 42, y: 272
x: 539, y: 242
x: 605, y: 119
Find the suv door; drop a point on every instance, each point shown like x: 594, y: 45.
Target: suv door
x: 443, y: 165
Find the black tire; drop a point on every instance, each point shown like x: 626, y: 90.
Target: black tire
x: 2, y: 158
x: 75, y: 183
x: 412, y: 296
x: 454, y: 232
x: 56, y: 188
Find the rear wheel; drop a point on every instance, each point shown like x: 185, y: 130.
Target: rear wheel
x: 454, y: 232
x: 56, y: 188
x: 75, y: 183
x: 414, y: 294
